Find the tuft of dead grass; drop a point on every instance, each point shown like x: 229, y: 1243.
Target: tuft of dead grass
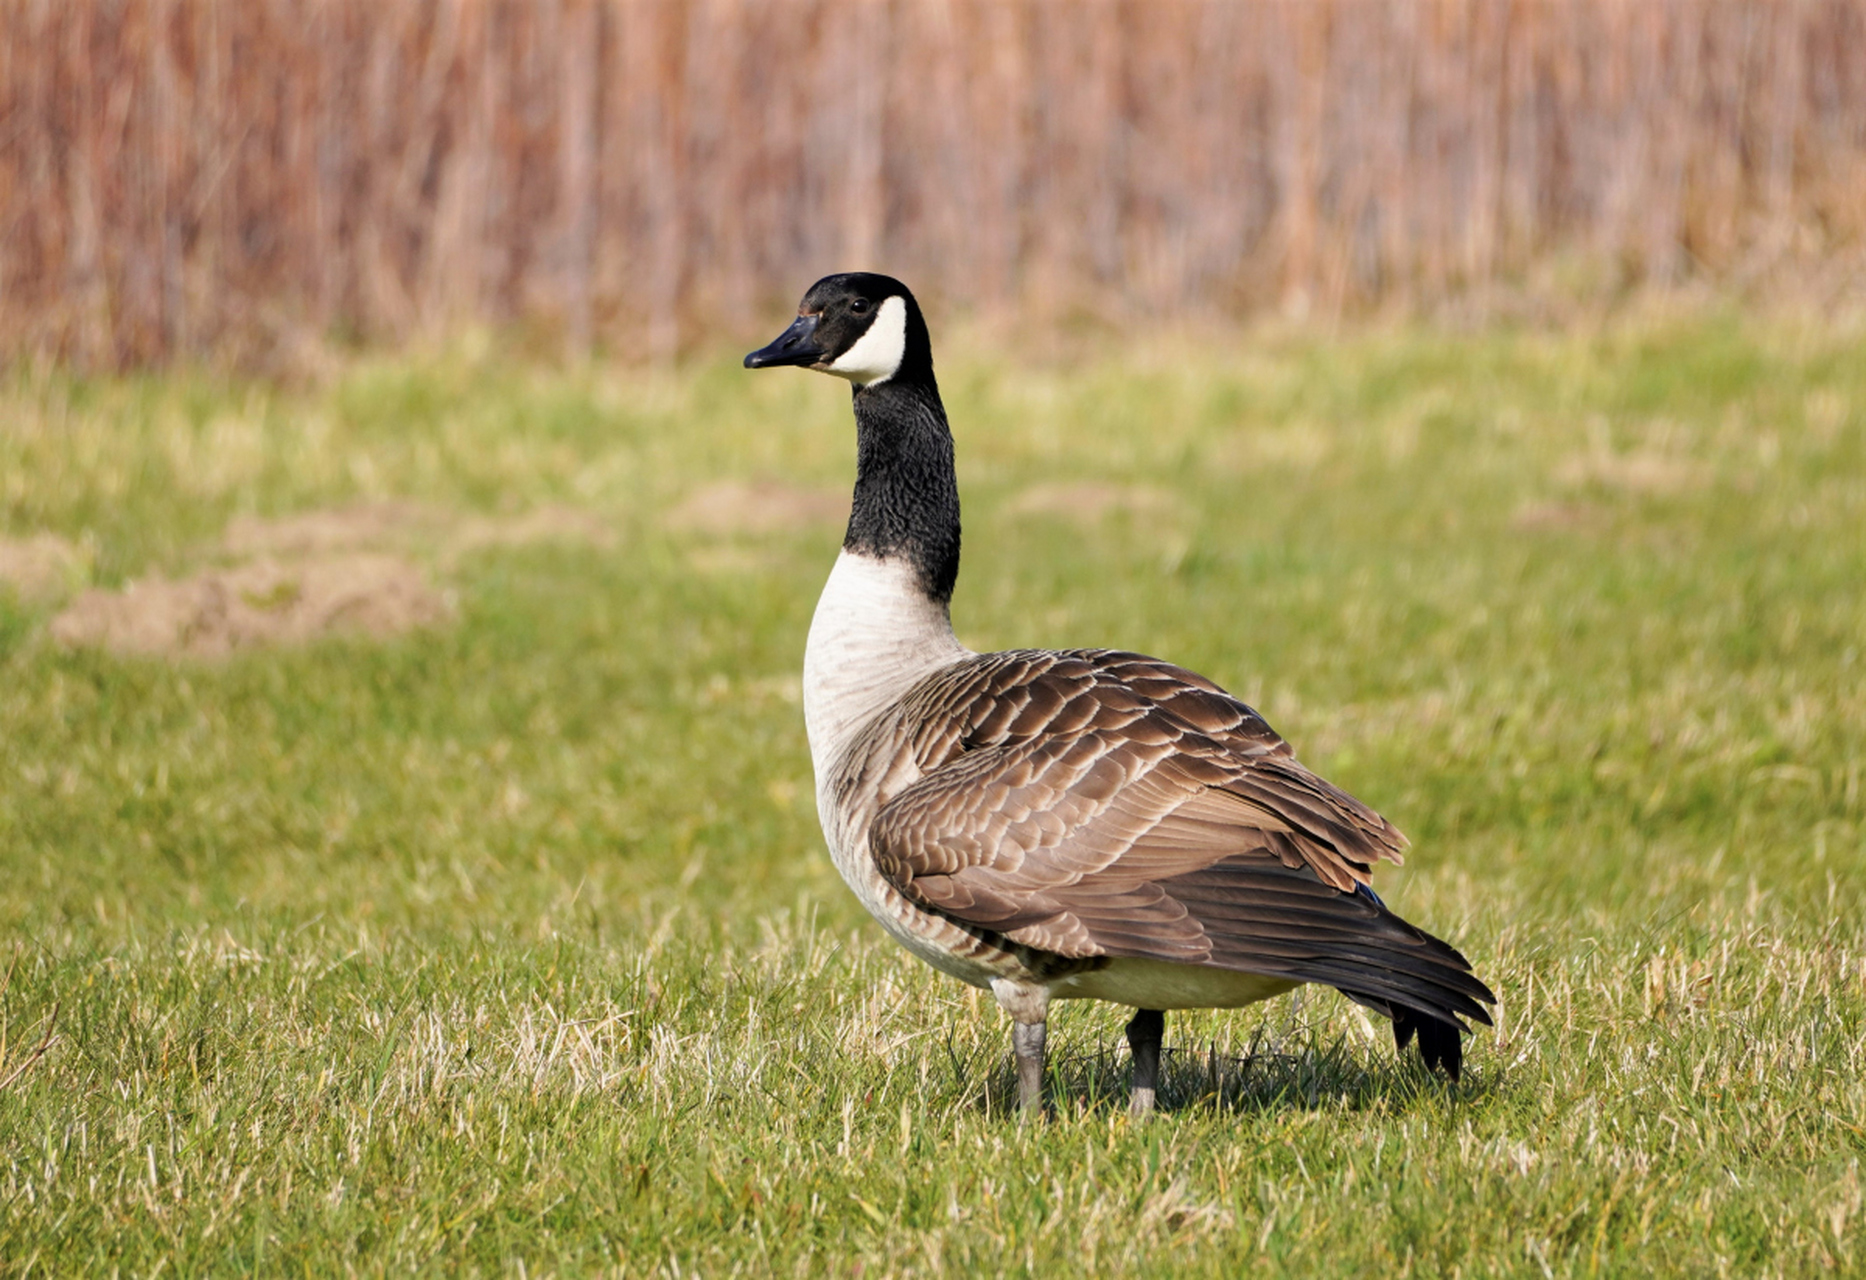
x: 1088, y: 501
x: 1546, y: 517
x: 265, y: 602
x: 337, y: 571
x: 41, y: 567
x: 758, y: 506
x: 399, y: 524
x: 1650, y: 472
x: 367, y: 525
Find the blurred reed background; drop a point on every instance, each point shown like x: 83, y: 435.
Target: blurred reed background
x: 205, y: 179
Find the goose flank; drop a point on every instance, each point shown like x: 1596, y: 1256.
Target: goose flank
x: 1063, y: 824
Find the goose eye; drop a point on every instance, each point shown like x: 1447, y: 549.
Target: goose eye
x: 859, y: 306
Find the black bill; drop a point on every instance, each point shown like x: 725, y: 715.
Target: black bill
x: 796, y: 345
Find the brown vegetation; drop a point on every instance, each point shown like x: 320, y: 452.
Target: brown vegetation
x: 1087, y: 501
x: 401, y: 525
x: 293, y: 579
x: 763, y: 506
x: 40, y: 567
x: 184, y: 176
x: 267, y: 602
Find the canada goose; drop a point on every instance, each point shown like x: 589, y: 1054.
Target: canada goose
x: 1079, y: 823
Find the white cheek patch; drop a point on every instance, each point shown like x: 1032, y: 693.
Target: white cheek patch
x: 877, y: 354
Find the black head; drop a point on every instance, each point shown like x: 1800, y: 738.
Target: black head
x: 860, y: 326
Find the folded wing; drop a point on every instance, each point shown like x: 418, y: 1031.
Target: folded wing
x: 1104, y: 804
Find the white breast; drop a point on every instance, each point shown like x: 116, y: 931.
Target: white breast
x: 875, y: 635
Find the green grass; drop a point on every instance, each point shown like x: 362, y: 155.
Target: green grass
x: 512, y: 947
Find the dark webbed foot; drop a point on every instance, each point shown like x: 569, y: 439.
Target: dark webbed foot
x: 1144, y: 1035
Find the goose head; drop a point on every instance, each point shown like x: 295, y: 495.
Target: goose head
x: 858, y: 325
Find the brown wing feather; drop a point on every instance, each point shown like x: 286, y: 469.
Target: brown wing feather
x: 1103, y: 804
x: 1081, y: 753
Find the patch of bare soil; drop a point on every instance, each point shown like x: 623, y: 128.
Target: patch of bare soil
x: 345, y: 570
x: 1088, y: 501
x: 545, y: 524
x: 265, y: 602
x: 1645, y: 471
x: 731, y: 558
x: 1540, y: 517
x: 40, y: 568
x: 353, y: 528
x: 400, y: 525
x: 762, y: 506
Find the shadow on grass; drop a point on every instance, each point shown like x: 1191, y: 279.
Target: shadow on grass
x: 1268, y: 1078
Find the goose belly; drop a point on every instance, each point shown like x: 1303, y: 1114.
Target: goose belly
x: 1163, y: 984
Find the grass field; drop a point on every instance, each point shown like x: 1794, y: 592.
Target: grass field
x: 509, y: 946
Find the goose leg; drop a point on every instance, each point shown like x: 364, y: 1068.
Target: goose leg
x: 1144, y: 1034
x: 1028, y: 1003
x: 1027, y: 1038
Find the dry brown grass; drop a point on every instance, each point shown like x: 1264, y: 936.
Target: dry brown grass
x: 40, y: 567
x: 290, y: 579
x: 184, y: 176
x: 1088, y: 501
x: 761, y: 506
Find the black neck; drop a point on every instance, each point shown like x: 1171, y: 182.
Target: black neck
x: 906, y: 492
